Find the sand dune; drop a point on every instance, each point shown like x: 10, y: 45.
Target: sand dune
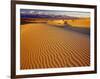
x: 43, y: 46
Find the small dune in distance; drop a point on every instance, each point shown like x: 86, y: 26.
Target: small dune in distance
x: 79, y: 22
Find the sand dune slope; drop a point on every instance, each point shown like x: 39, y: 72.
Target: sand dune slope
x: 43, y: 46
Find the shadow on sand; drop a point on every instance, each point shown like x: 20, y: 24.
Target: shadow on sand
x: 76, y: 29
x: 66, y: 27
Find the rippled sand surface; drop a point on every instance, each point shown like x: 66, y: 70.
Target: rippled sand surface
x: 45, y: 46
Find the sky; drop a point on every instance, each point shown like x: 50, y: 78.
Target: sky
x: 53, y: 12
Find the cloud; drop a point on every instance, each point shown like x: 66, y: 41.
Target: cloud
x: 52, y: 12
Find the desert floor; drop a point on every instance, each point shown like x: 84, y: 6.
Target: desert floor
x: 45, y: 46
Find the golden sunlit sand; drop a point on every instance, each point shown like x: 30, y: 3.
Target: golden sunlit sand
x: 81, y: 22
x: 45, y: 46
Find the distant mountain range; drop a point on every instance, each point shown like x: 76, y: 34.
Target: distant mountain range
x: 47, y: 16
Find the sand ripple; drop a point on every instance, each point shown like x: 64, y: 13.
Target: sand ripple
x: 44, y: 46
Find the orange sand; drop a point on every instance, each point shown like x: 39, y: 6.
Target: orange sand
x: 84, y: 22
x: 43, y: 46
